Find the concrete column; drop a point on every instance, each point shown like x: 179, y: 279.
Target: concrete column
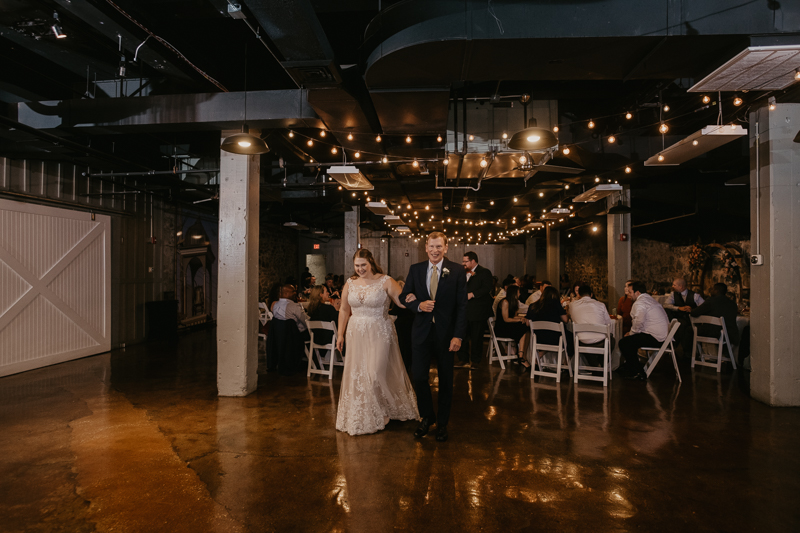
x: 619, y: 252
x: 237, y: 301
x: 352, y: 237
x: 553, y: 255
x: 774, y: 223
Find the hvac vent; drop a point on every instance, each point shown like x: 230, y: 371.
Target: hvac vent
x: 757, y: 68
x: 696, y: 144
x: 350, y: 178
x: 596, y: 193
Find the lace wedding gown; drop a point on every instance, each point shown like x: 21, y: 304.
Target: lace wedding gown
x: 375, y: 386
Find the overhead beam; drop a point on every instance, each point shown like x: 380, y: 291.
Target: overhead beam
x: 205, y: 111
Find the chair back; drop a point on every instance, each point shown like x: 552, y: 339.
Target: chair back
x: 547, y: 326
x: 264, y: 315
x: 591, y: 328
x: 316, y: 324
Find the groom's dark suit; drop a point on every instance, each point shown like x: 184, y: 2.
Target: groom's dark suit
x: 432, y: 332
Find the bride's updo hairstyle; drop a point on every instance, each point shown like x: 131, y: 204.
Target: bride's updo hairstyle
x: 366, y: 254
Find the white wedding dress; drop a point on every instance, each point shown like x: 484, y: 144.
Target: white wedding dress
x: 375, y: 386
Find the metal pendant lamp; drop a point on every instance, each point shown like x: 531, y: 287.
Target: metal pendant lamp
x: 532, y: 138
x: 244, y: 143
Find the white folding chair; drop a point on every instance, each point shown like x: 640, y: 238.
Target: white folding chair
x: 654, y: 354
x: 605, y: 351
x: 494, y: 346
x: 723, y: 340
x: 559, y: 349
x: 317, y: 360
x: 264, y: 316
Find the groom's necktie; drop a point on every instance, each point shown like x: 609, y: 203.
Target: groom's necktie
x: 434, y: 282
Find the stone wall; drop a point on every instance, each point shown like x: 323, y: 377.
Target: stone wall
x: 277, y: 257
x: 658, y: 263
x: 585, y: 258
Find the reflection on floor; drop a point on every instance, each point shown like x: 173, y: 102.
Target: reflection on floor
x: 137, y: 440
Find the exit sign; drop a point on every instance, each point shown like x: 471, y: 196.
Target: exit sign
x: 316, y: 246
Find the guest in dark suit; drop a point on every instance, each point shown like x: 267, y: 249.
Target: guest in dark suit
x: 479, y: 308
x: 718, y: 305
x: 439, y: 287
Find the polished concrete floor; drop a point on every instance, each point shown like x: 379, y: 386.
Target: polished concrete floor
x: 137, y: 440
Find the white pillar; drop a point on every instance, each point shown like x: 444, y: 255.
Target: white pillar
x: 619, y: 251
x: 774, y: 223
x: 352, y: 236
x: 553, y: 255
x: 237, y: 301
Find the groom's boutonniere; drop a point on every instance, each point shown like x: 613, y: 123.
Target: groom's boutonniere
x: 445, y: 272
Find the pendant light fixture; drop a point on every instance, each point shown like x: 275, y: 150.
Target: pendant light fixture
x: 245, y: 143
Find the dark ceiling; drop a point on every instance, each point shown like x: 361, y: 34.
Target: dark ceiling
x: 408, y: 67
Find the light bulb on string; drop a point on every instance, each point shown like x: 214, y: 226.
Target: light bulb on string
x: 438, y: 138
x: 523, y: 160
x: 469, y: 206
x: 612, y: 139
x: 471, y: 137
x: 446, y: 161
x: 415, y: 164
x: 555, y: 129
x: 291, y: 134
x: 483, y: 163
x: 515, y: 199
x: 334, y: 150
x: 737, y: 101
x: 385, y: 159
x: 695, y: 142
x: 491, y: 203
x: 628, y: 115
x: 505, y: 135
x: 565, y: 151
x: 349, y: 136
x: 706, y: 99
x: 591, y: 124
x: 661, y: 158
x: 322, y: 133
x: 357, y: 155
x: 310, y: 142
x: 408, y: 139
x: 666, y: 109
x: 663, y: 128
x: 628, y: 170
x: 378, y: 139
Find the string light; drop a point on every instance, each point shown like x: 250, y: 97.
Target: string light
x: 446, y: 161
x: 591, y: 124
x: 505, y: 135
x: 483, y: 163
x: 597, y: 179
x: 541, y: 194
x: 357, y: 155
x: 322, y: 133
x: 661, y: 158
x: 628, y: 115
x: 408, y: 139
x: 409, y: 207
x: 612, y: 139
x: 349, y: 136
x: 772, y: 103
x: 737, y: 101
x: 797, y: 74
x: 469, y: 206
x: 415, y: 164
x: 471, y: 137
x: 594, y: 228
x: 310, y: 142
x: 438, y: 138
x: 334, y: 150
x: 566, y: 187
x: 523, y: 160
x: 385, y: 159
x: 291, y: 134
x: 515, y: 199
x: 427, y: 208
x: 695, y: 142
x: 663, y: 128
x: 565, y: 151
x: 555, y: 129
x: 706, y: 99
x: 666, y: 108
x: 628, y: 170
x: 491, y: 203
x: 378, y: 138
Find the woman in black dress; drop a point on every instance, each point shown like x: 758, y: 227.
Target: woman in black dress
x: 319, y: 309
x: 508, y: 324
x: 548, y: 308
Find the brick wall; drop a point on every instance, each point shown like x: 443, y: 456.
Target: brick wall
x: 277, y: 257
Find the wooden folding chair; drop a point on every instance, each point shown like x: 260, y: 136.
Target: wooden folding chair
x: 316, y: 360
x: 723, y: 340
x: 605, y: 351
x: 654, y: 354
x: 559, y: 349
x: 494, y: 346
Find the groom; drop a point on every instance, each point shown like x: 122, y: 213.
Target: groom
x: 440, y: 322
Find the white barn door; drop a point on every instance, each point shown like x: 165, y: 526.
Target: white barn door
x: 55, y: 285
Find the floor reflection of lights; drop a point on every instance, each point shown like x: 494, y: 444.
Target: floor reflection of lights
x: 623, y: 508
x: 491, y: 412
x: 339, y: 493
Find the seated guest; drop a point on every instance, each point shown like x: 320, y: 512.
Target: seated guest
x: 573, y: 292
x: 329, y: 283
x: 274, y: 295
x: 624, y: 307
x: 548, y: 309
x: 649, y: 328
x: 718, y: 305
x: 679, y: 304
x: 319, y: 309
x: 287, y: 308
x: 508, y: 324
x: 586, y: 310
x: 537, y: 294
x: 502, y: 293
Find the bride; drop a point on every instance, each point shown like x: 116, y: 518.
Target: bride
x: 375, y: 386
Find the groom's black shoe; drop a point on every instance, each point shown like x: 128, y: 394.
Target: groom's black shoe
x: 423, y: 428
x: 441, y: 433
